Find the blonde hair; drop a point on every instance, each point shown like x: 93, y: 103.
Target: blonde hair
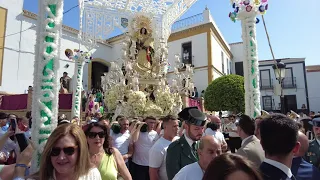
x: 83, y: 164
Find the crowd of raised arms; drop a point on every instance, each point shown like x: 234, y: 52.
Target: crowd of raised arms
x: 192, y: 146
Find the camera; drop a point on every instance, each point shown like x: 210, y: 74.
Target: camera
x: 144, y: 128
x: 116, y: 128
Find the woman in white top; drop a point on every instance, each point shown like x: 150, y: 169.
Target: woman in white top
x: 66, y: 156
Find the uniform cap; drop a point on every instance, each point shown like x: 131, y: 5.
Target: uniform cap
x: 192, y: 115
x: 315, y: 121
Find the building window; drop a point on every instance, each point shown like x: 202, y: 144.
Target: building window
x: 265, y: 79
x: 222, y: 61
x: 289, y: 81
x: 187, y: 53
x: 239, y: 68
x: 267, y: 103
x: 230, y: 67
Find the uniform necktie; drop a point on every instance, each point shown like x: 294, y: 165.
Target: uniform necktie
x: 194, y: 148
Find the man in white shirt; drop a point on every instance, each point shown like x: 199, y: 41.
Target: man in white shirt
x: 279, y: 139
x: 214, y: 129
x: 122, y: 140
x: 143, y: 138
x: 157, y: 154
x: 209, y: 148
x: 234, y: 138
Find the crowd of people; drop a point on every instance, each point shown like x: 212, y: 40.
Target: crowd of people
x: 192, y: 146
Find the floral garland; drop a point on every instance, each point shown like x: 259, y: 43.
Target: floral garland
x: 46, y: 94
x: 247, y: 11
x: 80, y: 58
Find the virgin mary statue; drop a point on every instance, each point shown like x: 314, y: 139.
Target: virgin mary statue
x: 141, y: 35
x: 145, y: 51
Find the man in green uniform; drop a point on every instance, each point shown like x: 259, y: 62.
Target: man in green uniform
x: 313, y: 154
x: 184, y: 151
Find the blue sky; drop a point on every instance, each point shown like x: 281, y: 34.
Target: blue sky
x: 292, y: 25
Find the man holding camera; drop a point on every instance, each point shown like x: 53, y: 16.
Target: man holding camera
x: 184, y: 151
x: 143, y: 139
x: 121, y: 138
x: 157, y: 154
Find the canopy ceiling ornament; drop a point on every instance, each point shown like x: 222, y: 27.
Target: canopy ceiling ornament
x: 99, y: 18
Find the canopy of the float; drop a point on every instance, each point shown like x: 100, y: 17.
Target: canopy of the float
x: 99, y: 18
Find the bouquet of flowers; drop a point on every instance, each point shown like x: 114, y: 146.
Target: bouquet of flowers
x: 165, y: 100
x: 137, y: 102
x: 152, y: 109
x: 111, y: 99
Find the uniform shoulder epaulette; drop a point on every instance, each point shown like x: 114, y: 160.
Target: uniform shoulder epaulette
x: 312, y: 142
x: 174, y: 144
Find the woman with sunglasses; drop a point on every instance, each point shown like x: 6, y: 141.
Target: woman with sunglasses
x: 108, y: 159
x: 66, y: 156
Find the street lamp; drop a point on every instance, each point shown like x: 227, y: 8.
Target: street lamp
x: 280, y: 71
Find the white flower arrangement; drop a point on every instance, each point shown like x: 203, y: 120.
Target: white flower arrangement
x: 111, y: 98
x: 152, y: 109
x: 165, y: 100
x: 137, y: 101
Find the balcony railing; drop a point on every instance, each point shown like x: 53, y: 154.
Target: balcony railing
x: 183, y: 23
x: 289, y: 82
x: 266, y: 84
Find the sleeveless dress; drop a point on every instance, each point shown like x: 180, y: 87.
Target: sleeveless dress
x: 90, y: 106
x: 108, y: 167
x: 93, y: 174
x: 91, y: 103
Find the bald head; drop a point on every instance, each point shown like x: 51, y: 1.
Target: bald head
x: 209, y: 148
x: 208, y: 141
x: 304, y: 142
x: 214, y: 119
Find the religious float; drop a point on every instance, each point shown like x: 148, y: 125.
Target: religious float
x: 142, y: 88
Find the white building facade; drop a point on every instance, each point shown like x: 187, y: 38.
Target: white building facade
x: 295, y: 87
x: 202, y: 45
x: 313, y: 75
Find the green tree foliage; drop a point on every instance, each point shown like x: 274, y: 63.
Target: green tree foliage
x: 225, y: 93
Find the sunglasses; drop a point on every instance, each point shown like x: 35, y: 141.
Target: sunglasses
x: 67, y: 150
x: 93, y: 135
